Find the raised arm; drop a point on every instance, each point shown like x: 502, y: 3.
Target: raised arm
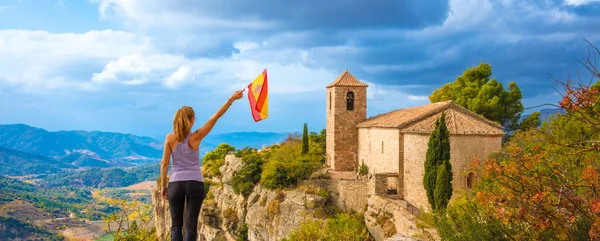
x: 199, y: 134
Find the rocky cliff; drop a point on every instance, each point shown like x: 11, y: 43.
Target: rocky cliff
x: 268, y: 214
x: 273, y: 214
x: 389, y: 219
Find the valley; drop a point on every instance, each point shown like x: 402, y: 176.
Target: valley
x: 57, y: 185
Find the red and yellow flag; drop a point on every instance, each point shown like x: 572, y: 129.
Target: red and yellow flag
x: 258, y: 97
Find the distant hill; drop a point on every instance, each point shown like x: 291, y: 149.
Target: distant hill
x: 81, y: 148
x: 17, y: 163
x: 108, y: 149
x: 242, y: 139
x: 14, y: 229
x: 104, y: 177
x: 546, y: 113
x: 54, y: 202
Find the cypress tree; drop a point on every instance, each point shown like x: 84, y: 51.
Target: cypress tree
x: 443, y: 185
x: 438, y: 155
x: 305, y: 139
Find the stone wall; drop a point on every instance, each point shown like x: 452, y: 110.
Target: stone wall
x: 348, y: 195
x: 342, y: 134
x: 463, y: 148
x: 379, y: 149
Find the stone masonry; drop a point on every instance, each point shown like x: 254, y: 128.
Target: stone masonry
x: 348, y: 195
x: 463, y: 148
x: 342, y: 134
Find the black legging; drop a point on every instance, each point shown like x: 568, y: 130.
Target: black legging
x: 178, y: 193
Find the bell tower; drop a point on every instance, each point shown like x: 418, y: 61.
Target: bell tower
x: 346, y: 108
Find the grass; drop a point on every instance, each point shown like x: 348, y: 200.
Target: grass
x: 105, y: 237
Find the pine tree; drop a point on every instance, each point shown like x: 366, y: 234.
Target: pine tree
x: 305, y: 139
x: 438, y: 155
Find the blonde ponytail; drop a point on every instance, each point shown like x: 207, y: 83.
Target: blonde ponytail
x: 182, y: 123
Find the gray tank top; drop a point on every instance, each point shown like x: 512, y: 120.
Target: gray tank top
x: 186, y: 163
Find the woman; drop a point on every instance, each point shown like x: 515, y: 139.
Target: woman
x: 186, y: 182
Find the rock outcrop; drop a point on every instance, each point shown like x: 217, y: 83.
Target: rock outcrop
x: 389, y: 219
x: 273, y: 214
x: 268, y: 214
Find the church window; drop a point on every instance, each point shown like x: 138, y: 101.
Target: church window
x: 350, y: 101
x: 470, y: 178
x: 329, y: 100
x: 382, y: 147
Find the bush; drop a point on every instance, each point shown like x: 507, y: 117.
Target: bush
x: 207, y: 185
x: 287, y: 165
x: 243, y: 181
x: 341, y: 227
x: 230, y: 215
x: 214, y: 159
x: 281, y: 174
x: 474, y: 224
x: 318, y: 191
x: 243, y: 233
x: 363, y: 169
x: 245, y: 151
x: 273, y: 208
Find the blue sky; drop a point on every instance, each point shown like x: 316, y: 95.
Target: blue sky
x: 128, y: 65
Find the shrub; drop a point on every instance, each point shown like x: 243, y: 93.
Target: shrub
x: 245, y: 151
x: 214, y: 159
x: 363, y: 169
x: 230, y: 215
x: 273, y: 208
x: 318, y: 191
x: 341, y: 227
x: 207, y: 185
x: 244, y: 180
x: 263, y: 201
x: 243, y: 233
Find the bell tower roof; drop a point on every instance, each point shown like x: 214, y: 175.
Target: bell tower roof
x: 347, y: 79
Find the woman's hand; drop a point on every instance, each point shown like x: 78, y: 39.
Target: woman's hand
x: 237, y: 95
x: 164, y: 192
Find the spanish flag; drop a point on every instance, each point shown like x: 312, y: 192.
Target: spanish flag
x: 258, y: 97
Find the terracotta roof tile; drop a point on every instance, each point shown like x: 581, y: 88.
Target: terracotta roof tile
x: 421, y: 119
x: 347, y: 79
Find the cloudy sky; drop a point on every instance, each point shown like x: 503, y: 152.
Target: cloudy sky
x: 128, y: 65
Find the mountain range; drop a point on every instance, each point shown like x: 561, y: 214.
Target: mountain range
x: 545, y: 114
x: 29, y: 150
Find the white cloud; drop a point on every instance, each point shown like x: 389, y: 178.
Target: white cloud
x: 180, y: 76
x: 230, y: 73
x: 138, y: 69
x: 580, y: 2
x: 384, y: 98
x: 245, y: 46
x: 41, y: 61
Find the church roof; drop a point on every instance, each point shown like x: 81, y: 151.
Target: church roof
x: 421, y: 119
x: 347, y: 79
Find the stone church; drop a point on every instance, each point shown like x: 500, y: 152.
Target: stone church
x: 393, y: 145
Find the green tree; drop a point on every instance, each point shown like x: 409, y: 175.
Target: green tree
x: 318, y: 138
x: 438, y: 155
x: 305, y: 140
x: 543, y: 184
x: 243, y: 181
x: 532, y: 121
x: 443, y: 185
x: 216, y: 158
x: 478, y: 92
